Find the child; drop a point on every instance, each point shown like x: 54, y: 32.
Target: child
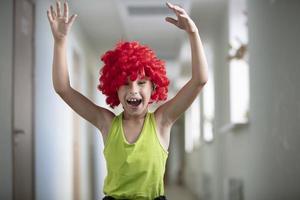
x: 136, y: 141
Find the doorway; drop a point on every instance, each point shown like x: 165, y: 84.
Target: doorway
x: 23, y: 97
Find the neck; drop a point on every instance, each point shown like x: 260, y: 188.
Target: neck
x: 128, y: 116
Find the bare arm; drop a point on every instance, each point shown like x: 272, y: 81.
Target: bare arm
x: 171, y: 110
x: 96, y: 115
x: 60, y: 26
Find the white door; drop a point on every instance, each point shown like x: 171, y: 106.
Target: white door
x: 23, y: 160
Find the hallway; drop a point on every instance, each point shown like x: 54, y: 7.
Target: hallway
x: 239, y: 140
x: 175, y: 192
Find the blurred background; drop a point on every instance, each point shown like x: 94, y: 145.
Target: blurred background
x: 240, y: 140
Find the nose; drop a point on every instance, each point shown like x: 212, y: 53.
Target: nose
x: 133, y: 93
x: 133, y: 88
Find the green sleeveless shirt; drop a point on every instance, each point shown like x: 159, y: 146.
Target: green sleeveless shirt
x: 134, y: 171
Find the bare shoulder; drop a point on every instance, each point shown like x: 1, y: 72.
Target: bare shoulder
x: 104, y: 120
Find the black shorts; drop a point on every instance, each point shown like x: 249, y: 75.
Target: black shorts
x: 157, y: 198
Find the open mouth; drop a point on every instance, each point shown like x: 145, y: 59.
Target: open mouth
x: 134, y: 102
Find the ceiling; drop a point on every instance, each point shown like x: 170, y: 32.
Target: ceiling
x: 107, y: 21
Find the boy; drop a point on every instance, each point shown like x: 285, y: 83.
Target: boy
x: 136, y: 141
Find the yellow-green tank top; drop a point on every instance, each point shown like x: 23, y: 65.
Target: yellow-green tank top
x: 134, y: 171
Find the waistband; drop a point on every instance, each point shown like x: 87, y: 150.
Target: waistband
x: 111, y: 198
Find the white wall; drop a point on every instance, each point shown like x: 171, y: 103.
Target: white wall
x: 6, y: 50
x: 264, y: 155
x: 273, y: 141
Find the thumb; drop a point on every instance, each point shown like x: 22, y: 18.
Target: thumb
x: 72, y: 19
x: 171, y: 20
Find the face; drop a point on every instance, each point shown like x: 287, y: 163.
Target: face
x: 135, y: 96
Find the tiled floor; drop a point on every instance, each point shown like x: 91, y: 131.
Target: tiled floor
x: 175, y: 192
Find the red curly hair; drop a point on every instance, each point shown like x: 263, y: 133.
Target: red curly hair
x: 131, y: 59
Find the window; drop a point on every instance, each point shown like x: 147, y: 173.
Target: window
x: 238, y: 62
x: 208, y: 108
x: 192, y: 126
x: 239, y: 91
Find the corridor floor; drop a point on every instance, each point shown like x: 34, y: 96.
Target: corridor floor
x: 174, y: 192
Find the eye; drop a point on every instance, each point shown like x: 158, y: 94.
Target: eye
x: 142, y: 82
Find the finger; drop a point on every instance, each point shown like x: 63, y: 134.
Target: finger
x: 58, y: 8
x: 72, y: 19
x: 49, y: 16
x: 171, y: 20
x: 169, y: 5
x: 173, y: 7
x: 53, y: 12
x: 66, y: 10
x: 183, y: 16
x: 179, y: 9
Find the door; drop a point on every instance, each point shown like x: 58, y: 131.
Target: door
x: 23, y: 160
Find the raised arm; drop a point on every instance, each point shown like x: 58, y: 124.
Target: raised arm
x: 60, y: 26
x: 171, y: 110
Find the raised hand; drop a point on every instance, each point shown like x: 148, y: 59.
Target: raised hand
x: 183, y: 20
x: 60, y: 23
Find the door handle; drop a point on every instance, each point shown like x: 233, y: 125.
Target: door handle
x: 19, y: 131
x: 17, y: 138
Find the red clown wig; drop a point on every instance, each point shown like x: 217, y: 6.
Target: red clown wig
x: 131, y: 60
